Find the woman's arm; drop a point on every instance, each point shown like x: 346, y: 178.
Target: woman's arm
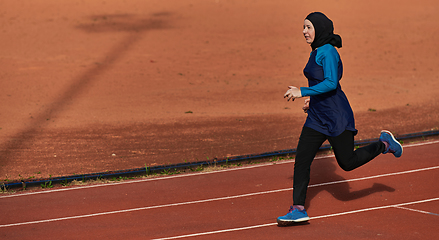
x: 306, y: 106
x: 328, y: 58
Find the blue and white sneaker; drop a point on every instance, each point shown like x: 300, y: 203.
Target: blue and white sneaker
x: 394, y: 146
x: 294, y: 215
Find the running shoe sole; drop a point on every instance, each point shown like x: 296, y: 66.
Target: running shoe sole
x: 285, y: 221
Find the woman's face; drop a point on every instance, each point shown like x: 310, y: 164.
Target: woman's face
x: 308, y: 31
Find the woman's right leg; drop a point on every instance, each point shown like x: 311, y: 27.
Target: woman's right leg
x: 309, y: 143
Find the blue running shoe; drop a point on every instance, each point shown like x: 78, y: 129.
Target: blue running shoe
x: 293, y: 216
x: 394, y: 146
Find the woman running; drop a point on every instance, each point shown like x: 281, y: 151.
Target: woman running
x: 330, y: 116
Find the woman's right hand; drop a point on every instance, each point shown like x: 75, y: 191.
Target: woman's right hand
x: 306, y: 106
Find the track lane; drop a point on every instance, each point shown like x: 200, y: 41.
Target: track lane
x: 273, y: 203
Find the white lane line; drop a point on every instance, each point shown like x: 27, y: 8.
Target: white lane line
x: 219, y: 231
x: 376, y: 176
x: 272, y: 224
x: 156, y: 178
x: 183, y: 175
x: 145, y: 208
x: 420, y: 144
x: 419, y: 211
x: 213, y: 199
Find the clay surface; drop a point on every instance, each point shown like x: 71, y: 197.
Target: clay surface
x: 91, y: 86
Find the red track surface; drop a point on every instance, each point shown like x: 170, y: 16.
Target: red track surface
x: 83, y: 80
x: 342, y: 205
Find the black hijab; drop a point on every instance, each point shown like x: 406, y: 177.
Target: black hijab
x: 324, y: 31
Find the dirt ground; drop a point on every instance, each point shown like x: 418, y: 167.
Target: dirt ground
x: 91, y: 86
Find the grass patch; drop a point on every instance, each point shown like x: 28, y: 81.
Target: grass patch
x: 47, y: 184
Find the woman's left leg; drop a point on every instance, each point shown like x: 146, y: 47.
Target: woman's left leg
x: 347, y: 157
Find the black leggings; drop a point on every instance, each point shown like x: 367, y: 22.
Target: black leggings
x: 343, y: 146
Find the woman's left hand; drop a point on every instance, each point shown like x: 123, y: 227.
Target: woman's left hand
x: 306, y: 106
x: 293, y: 93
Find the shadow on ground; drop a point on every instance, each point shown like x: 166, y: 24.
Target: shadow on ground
x: 340, y: 191
x: 135, y: 27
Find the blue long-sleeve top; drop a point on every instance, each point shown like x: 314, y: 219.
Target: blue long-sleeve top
x: 328, y: 58
x: 329, y: 110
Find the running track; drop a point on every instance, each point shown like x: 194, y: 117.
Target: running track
x: 388, y: 198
